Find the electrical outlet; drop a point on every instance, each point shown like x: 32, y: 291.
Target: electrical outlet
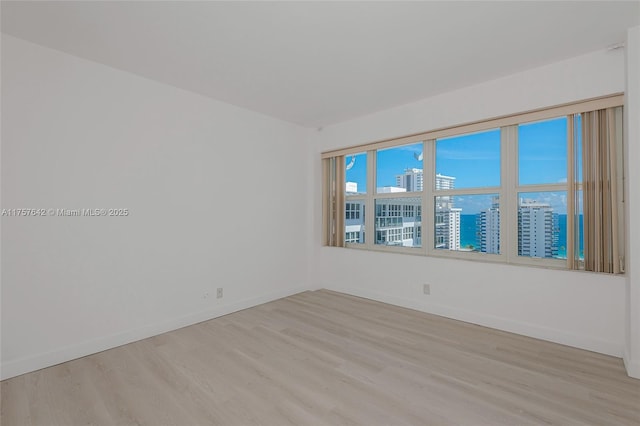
x: 219, y: 293
x: 426, y: 289
x: 205, y: 296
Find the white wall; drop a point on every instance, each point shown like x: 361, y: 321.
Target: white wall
x: 581, y: 309
x: 632, y: 154
x: 208, y: 185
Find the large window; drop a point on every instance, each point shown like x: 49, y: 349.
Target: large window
x: 540, y: 188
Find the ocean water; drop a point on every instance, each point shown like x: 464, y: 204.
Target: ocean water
x: 468, y: 233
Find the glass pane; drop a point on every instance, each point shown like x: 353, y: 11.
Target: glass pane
x: 542, y: 224
x: 354, y: 221
x: 473, y: 160
x: 542, y: 152
x: 399, y: 169
x: 399, y: 222
x: 356, y: 173
x: 467, y: 223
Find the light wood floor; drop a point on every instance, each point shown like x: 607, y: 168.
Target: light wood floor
x: 324, y: 358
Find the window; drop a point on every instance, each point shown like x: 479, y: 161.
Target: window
x: 542, y: 163
x: 389, y: 236
x: 542, y: 152
x: 353, y: 210
x: 468, y: 223
x: 399, y: 169
x: 356, y: 174
x: 399, y: 172
x: 467, y: 214
x: 407, y: 233
x: 541, y: 226
x: 392, y: 222
x: 355, y: 187
x: 352, y: 237
x: 468, y: 161
x: 539, y: 188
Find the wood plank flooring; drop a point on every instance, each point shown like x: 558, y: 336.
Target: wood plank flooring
x: 325, y: 358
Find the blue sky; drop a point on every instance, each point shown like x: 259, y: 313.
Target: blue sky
x: 543, y: 152
x: 474, y: 160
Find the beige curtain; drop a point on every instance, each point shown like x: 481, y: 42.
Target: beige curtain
x: 333, y: 170
x: 602, y: 245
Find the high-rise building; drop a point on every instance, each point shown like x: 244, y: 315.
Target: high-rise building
x: 445, y: 182
x: 447, y: 216
x: 488, y: 228
x: 351, y: 187
x: 447, y: 228
x: 411, y: 180
x: 537, y: 229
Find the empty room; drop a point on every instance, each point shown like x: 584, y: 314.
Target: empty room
x: 320, y: 213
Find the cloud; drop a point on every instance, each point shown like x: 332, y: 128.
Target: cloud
x: 450, y: 154
x: 410, y: 148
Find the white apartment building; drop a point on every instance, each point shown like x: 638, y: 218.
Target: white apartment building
x: 488, y: 228
x: 447, y: 217
x: 537, y: 229
x: 411, y: 180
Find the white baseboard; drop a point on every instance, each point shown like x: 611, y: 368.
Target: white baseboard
x: 24, y: 365
x: 632, y: 365
x: 526, y: 329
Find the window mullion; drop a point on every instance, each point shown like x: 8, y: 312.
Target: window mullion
x: 571, y: 194
x: 370, y: 208
x: 543, y: 187
x: 428, y: 193
x: 468, y: 191
x: 509, y: 193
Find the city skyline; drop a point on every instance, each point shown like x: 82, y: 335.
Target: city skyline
x: 398, y: 220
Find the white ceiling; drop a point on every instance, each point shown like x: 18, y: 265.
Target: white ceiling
x: 319, y: 63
